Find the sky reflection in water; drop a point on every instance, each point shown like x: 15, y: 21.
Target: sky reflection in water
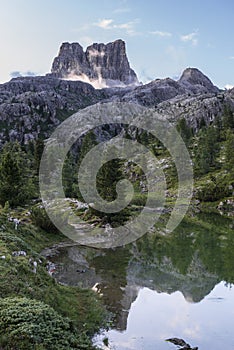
x: 155, y: 317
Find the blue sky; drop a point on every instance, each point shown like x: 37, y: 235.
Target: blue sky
x: 163, y: 37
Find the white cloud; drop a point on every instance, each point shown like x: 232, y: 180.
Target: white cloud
x: 191, y: 37
x: 231, y: 58
x: 105, y: 23
x: 98, y: 83
x: 161, y: 34
x: 17, y: 74
x: 229, y: 86
x: 129, y: 27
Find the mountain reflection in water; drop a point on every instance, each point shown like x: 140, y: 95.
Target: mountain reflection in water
x: 165, y: 280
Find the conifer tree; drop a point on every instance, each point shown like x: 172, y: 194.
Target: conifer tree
x: 16, y: 178
x: 229, y: 152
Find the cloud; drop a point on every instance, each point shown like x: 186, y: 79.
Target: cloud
x: 229, y: 86
x: 161, y: 34
x: 108, y: 24
x: 145, y: 77
x: 191, y: 37
x: 17, y: 74
x: 231, y: 58
x: 105, y: 24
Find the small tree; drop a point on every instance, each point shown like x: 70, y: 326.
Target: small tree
x: 207, y: 150
x: 228, y: 118
x: 108, y: 176
x: 16, y: 176
x: 229, y: 152
x: 38, y: 148
x: 184, y: 130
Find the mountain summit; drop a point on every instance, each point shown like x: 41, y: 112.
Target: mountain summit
x: 101, y: 65
x: 194, y: 79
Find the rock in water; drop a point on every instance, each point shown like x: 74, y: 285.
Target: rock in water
x: 102, y: 65
x: 180, y: 342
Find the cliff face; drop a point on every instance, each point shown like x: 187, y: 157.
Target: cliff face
x: 101, y: 65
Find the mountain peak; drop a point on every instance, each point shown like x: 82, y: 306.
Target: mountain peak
x: 101, y: 65
x: 193, y: 76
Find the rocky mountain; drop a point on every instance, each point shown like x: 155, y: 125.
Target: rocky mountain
x: 100, y: 65
x: 196, y: 81
x: 192, y: 82
x: 34, y: 106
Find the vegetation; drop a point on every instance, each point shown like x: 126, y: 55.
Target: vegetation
x: 16, y: 176
x: 38, y: 313
x: 21, y: 287
x: 34, y: 325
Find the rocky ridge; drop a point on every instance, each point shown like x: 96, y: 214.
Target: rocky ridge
x: 33, y: 106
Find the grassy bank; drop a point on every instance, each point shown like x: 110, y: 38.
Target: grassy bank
x: 67, y: 313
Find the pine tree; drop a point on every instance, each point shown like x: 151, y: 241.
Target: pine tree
x: 38, y: 149
x: 207, y: 150
x: 228, y: 118
x: 107, y: 178
x: 16, y: 178
x: 70, y: 176
x: 184, y: 130
x: 229, y: 152
x: 88, y: 142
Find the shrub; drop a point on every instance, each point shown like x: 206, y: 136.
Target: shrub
x: 212, y: 192
x: 41, y: 219
x: 31, y: 324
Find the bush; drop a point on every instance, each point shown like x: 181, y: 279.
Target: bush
x: 139, y: 199
x: 212, y: 192
x: 31, y: 324
x: 41, y: 219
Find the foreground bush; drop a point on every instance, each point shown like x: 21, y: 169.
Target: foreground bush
x: 31, y: 324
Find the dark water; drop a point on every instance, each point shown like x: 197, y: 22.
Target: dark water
x: 163, y: 286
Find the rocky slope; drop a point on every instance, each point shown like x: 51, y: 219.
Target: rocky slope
x: 192, y: 82
x: 34, y: 106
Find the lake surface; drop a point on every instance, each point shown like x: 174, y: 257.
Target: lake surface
x: 154, y: 317
x: 162, y: 286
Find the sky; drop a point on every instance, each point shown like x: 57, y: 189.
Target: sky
x: 163, y: 37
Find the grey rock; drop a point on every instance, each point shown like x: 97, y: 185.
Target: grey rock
x: 196, y: 81
x: 106, y: 64
x: 34, y: 106
x: 192, y: 82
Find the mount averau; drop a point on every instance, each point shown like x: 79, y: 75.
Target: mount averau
x: 100, y: 65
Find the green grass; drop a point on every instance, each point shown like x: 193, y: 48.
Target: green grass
x: 83, y: 307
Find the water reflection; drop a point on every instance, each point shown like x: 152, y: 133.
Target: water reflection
x: 156, y: 316
x: 163, y: 286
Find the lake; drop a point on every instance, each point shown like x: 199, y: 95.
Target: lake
x: 162, y: 286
